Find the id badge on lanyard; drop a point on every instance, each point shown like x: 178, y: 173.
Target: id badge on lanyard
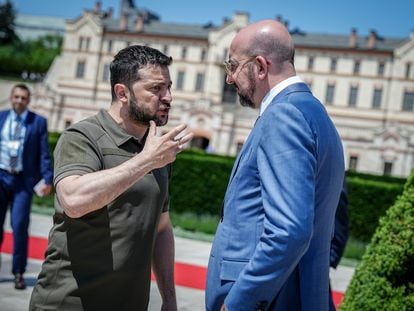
x: 14, y: 147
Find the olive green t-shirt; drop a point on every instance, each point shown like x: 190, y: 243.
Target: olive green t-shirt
x: 101, y: 261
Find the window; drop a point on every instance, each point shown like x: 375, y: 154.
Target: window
x: 229, y: 93
x: 83, y: 44
x: 80, y: 43
x: 105, y: 73
x: 109, y: 46
x: 180, y: 80
x: 334, y: 63
x: 165, y: 49
x: 199, y: 87
x: 407, y: 70
x: 408, y: 101
x: 203, y: 54
x: 226, y: 53
x: 80, y: 69
x: 184, y: 52
x: 387, y: 168
x: 381, y: 68
x: 353, y: 163
x: 87, y: 44
x: 357, y: 66
x: 199, y: 142
x: 239, y: 147
x: 376, y: 98
x: 353, y: 94
x: 311, y: 61
x: 330, y: 92
x: 68, y: 123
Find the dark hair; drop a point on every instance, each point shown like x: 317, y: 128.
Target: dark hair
x: 125, y: 65
x: 23, y: 87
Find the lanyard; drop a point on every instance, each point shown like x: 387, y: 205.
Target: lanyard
x: 12, y: 132
x: 15, y: 143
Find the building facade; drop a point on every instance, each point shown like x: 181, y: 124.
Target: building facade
x: 365, y: 82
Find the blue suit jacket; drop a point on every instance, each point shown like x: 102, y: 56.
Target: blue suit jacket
x: 36, y: 156
x: 271, y: 249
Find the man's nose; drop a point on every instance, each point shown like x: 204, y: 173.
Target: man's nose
x: 167, y: 97
x: 229, y: 78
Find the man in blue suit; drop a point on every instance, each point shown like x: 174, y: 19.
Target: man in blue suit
x: 271, y: 249
x: 24, y: 161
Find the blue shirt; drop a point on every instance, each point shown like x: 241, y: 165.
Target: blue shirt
x: 10, y: 146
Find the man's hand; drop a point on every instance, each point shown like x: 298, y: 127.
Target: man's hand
x: 163, y: 150
x: 46, y: 189
x: 169, y: 306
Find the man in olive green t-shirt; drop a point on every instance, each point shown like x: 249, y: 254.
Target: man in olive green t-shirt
x: 111, y: 177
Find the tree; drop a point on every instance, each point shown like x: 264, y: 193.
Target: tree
x: 7, y: 15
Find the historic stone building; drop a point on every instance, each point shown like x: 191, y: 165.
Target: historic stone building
x: 365, y: 82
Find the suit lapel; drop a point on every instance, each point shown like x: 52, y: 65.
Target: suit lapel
x: 297, y: 87
x: 241, y: 153
x: 29, y: 127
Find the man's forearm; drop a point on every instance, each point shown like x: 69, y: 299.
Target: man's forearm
x: 163, y: 266
x: 80, y: 195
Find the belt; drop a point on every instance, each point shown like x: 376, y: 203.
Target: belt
x: 11, y: 171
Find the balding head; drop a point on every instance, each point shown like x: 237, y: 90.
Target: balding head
x: 268, y: 38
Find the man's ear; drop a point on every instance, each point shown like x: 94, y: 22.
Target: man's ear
x: 262, y: 67
x: 121, y: 92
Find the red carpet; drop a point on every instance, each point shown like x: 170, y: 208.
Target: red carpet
x: 187, y: 275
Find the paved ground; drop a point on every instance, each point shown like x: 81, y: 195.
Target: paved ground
x: 190, y: 254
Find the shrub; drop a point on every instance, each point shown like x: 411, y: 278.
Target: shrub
x: 373, y: 177
x: 199, y: 183
x: 384, y: 280
x: 368, y: 200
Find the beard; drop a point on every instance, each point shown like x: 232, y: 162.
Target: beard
x: 245, y: 97
x: 140, y: 115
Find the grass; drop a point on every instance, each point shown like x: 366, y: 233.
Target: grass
x: 42, y: 210
x: 354, y: 249
x: 203, y: 228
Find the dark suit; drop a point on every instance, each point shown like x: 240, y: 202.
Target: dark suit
x: 341, y: 233
x: 17, y: 190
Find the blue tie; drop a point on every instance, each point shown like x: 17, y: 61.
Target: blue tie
x: 16, y: 136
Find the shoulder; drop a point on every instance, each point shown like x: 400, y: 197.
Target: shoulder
x: 86, y: 130
x: 89, y: 127
x: 4, y: 113
x: 34, y: 118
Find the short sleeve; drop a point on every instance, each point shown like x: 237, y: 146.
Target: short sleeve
x: 75, y: 154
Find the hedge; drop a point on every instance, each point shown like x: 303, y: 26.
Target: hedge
x: 384, y: 280
x: 373, y: 177
x: 199, y: 182
x: 368, y: 201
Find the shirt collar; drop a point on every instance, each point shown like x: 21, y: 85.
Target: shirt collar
x: 113, y: 129
x: 276, y: 90
x: 23, y: 115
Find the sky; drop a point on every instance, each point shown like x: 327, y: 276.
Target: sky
x: 389, y: 18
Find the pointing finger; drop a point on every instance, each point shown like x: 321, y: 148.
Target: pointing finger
x: 186, y: 138
x: 175, y: 131
x: 152, y: 128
